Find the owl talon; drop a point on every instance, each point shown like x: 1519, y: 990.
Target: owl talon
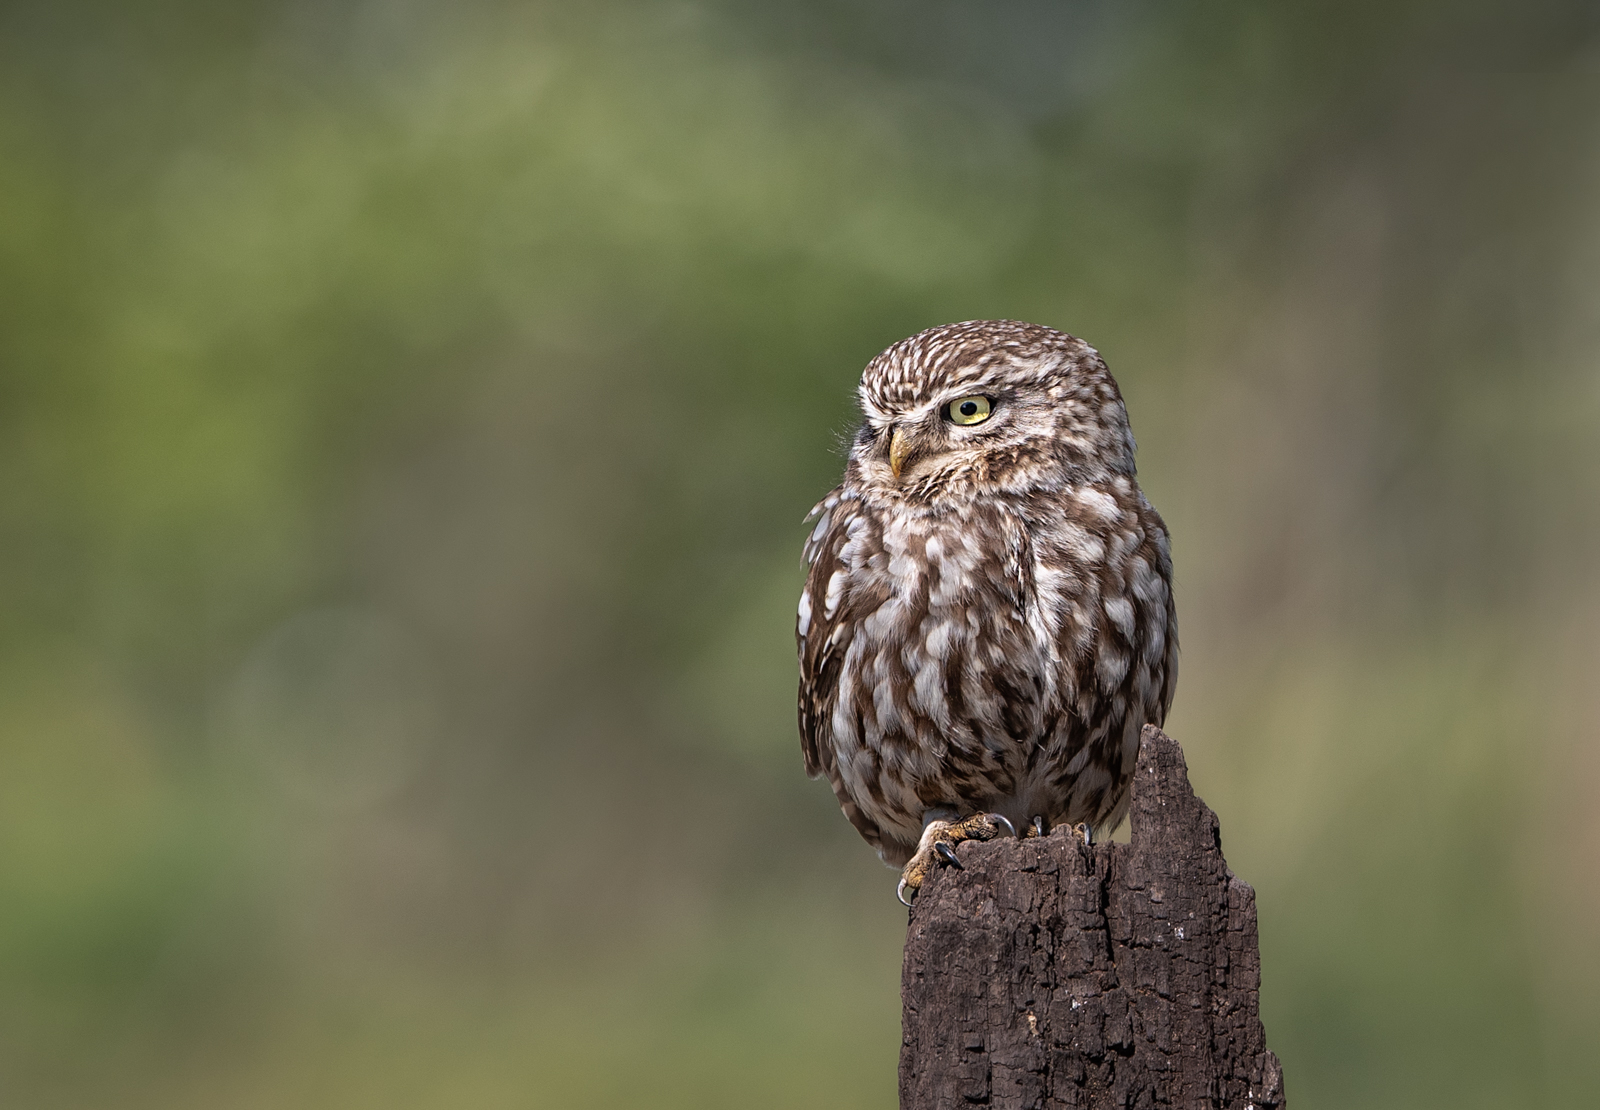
x: 1038, y: 827
x: 939, y: 840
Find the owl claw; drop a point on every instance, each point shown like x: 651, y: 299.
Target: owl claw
x: 939, y: 840
x: 1038, y: 827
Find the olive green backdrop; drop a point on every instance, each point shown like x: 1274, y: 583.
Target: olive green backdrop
x: 407, y: 412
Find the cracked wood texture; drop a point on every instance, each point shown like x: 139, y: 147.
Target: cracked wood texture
x: 1045, y: 974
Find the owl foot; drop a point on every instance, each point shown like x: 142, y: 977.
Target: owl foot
x: 1039, y: 826
x: 939, y: 840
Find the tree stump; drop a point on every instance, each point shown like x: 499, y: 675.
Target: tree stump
x: 1047, y: 974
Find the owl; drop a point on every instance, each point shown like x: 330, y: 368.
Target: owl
x: 987, y: 621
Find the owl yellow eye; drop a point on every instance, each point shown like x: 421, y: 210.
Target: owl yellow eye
x: 968, y: 410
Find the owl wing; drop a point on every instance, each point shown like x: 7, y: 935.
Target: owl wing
x: 820, y: 634
x: 1162, y: 621
x: 825, y: 626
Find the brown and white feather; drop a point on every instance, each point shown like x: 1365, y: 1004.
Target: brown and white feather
x: 989, y: 629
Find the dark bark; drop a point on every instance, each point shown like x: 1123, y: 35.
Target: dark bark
x: 1047, y: 974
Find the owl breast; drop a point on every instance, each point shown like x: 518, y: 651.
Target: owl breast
x: 993, y: 657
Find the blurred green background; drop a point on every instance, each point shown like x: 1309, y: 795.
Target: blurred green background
x: 407, y: 412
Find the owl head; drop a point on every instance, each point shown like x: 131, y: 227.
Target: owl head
x: 986, y: 406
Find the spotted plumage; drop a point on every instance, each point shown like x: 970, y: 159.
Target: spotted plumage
x: 988, y: 618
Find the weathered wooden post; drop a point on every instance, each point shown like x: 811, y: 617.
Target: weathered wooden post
x: 1047, y: 974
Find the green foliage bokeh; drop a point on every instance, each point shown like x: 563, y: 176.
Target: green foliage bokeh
x: 407, y: 412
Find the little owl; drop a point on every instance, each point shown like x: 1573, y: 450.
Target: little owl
x: 987, y: 622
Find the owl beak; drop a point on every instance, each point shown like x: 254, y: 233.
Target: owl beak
x: 900, y: 446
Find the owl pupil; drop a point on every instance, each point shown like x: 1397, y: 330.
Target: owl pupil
x: 968, y: 408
